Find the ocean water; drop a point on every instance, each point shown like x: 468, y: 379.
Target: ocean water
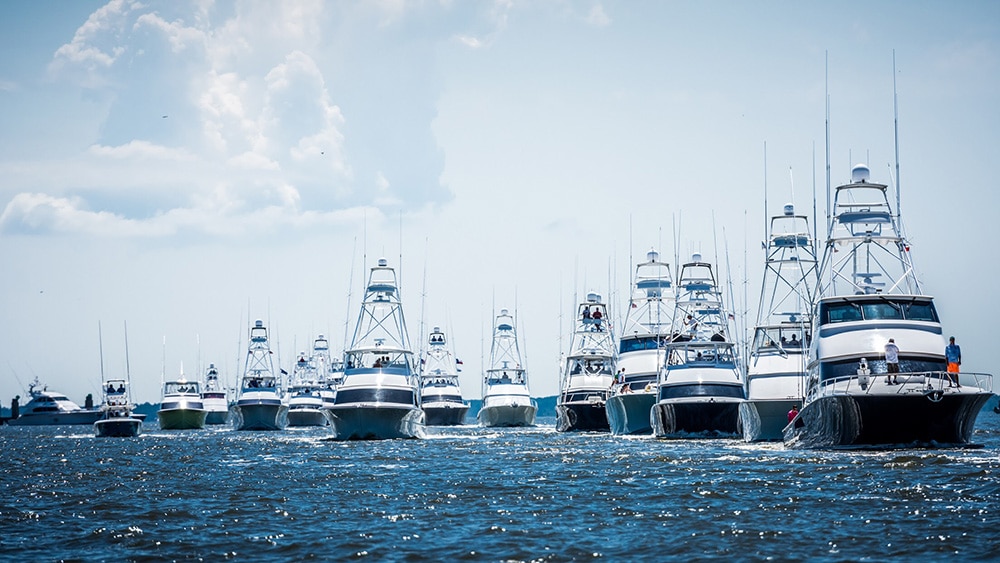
x: 478, y: 494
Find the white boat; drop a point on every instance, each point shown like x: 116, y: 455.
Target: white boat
x: 47, y: 408
x: 181, y: 407
x: 380, y: 395
x: 118, y: 420
x: 776, y: 370
x: 700, y: 386
x: 506, y: 399
x: 213, y: 396
x: 588, y: 371
x: 440, y: 393
x: 329, y: 372
x: 259, y: 405
x: 869, y: 294
x: 305, y: 404
x: 641, y: 347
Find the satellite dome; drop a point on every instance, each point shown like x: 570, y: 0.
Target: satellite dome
x: 652, y: 255
x: 382, y: 262
x: 696, y: 257
x: 594, y: 297
x: 860, y: 173
x: 789, y: 209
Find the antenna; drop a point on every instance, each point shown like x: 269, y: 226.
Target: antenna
x: 895, y: 130
x: 128, y: 372
x: 350, y: 285
x: 163, y: 364
x: 423, y: 300
x: 827, y: 101
x: 765, y: 190
x: 814, y: 192
x: 100, y: 345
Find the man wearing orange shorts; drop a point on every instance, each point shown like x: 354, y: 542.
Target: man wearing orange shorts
x: 953, y: 354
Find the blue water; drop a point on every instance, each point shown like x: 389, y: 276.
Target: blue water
x: 482, y: 494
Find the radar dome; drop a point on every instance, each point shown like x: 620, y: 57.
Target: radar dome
x: 789, y: 209
x: 860, y: 173
x: 594, y: 297
x: 652, y: 255
x: 382, y: 262
x: 696, y: 257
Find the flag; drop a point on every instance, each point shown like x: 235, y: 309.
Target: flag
x: 283, y: 372
x: 458, y: 361
x: 634, y: 306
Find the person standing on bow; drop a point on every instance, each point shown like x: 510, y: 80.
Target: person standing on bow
x: 891, y: 362
x: 953, y: 354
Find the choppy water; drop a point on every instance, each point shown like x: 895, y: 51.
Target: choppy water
x: 480, y: 494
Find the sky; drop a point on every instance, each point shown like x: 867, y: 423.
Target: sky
x: 171, y: 171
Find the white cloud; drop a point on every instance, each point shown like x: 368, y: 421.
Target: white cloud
x: 179, y: 35
x: 598, y: 17
x: 142, y: 150
x: 94, y: 44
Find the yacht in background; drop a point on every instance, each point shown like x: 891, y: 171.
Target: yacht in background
x: 51, y: 408
x: 588, y: 371
x: 118, y: 420
x: 380, y: 395
x: 641, y: 347
x: 213, y: 396
x: 506, y: 399
x: 700, y: 385
x: 776, y: 371
x: 440, y: 393
x: 869, y: 295
x: 259, y: 405
x: 327, y: 371
x: 305, y: 404
x: 181, y: 407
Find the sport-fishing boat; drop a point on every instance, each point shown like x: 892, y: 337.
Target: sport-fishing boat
x: 118, y: 420
x: 213, y: 396
x: 181, y: 407
x: 869, y: 296
x: 51, y: 408
x: 641, y: 347
x: 305, y: 404
x: 440, y: 393
x: 380, y: 395
x: 506, y: 399
x: 588, y: 371
x: 700, y: 385
x: 327, y: 371
x: 259, y: 405
x: 776, y: 371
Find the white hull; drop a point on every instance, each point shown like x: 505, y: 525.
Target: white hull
x: 260, y: 416
x: 181, y: 419
x: 376, y: 421
x: 628, y: 413
x: 508, y: 415
x: 55, y: 419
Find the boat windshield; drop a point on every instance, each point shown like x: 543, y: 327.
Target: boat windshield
x: 882, y: 309
x: 651, y: 342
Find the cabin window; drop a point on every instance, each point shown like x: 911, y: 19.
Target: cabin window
x: 882, y: 310
x: 920, y: 311
x: 840, y: 313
